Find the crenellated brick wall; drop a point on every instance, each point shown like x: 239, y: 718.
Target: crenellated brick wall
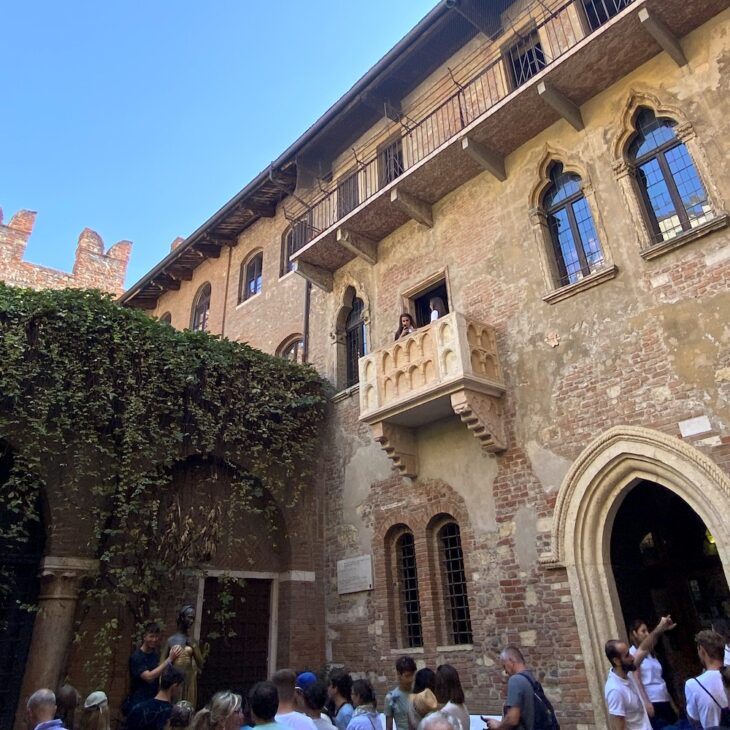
x: 93, y: 268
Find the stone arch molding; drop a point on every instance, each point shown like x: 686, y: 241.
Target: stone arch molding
x: 588, y: 500
x: 624, y: 124
x: 549, y: 156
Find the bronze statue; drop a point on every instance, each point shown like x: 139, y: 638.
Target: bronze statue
x: 190, y: 660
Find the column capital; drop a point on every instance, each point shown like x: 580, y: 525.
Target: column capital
x: 68, y: 567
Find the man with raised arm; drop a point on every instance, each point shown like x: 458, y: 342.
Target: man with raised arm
x: 625, y: 707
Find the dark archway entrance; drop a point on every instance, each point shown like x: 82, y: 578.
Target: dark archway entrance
x: 19, y: 587
x: 665, y: 561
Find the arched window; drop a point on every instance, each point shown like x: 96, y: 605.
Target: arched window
x: 355, y: 342
x: 296, y: 237
x: 166, y: 318
x: 251, y: 277
x: 410, y: 604
x: 292, y: 349
x: 201, y: 309
x: 458, y: 617
x: 576, y: 248
x: 673, y: 195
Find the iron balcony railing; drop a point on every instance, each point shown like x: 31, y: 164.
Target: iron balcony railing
x: 541, y: 36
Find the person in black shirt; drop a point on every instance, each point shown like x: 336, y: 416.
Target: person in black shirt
x: 145, y: 667
x: 153, y: 714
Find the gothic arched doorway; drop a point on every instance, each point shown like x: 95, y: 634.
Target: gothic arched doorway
x: 665, y: 560
x: 19, y: 588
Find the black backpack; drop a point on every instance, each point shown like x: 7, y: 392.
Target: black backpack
x: 544, y: 713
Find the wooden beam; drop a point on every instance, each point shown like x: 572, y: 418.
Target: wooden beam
x: 181, y: 274
x: 265, y: 210
x: 562, y: 105
x: 412, y: 206
x: 365, y: 248
x: 485, y: 158
x: 209, y: 250
x: 663, y: 36
x: 320, y: 277
x: 167, y: 282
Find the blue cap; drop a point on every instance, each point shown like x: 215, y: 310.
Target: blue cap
x: 305, y: 679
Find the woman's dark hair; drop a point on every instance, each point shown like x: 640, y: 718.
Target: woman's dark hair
x: 400, y: 329
x: 448, y: 685
x: 342, y: 682
x: 437, y: 305
x: 425, y: 679
x: 364, y: 690
x: 634, y: 626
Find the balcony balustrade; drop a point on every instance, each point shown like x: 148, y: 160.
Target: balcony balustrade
x: 545, y: 64
x: 450, y: 366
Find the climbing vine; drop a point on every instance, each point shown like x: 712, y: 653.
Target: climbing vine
x: 100, y: 404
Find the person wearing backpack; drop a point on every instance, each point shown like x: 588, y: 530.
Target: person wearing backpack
x: 527, y: 707
x: 707, y: 701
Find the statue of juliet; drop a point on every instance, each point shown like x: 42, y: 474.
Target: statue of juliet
x: 190, y: 660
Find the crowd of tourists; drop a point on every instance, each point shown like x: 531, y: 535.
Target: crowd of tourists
x: 636, y: 694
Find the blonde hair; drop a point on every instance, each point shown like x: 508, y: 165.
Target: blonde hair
x: 96, y: 718
x: 221, y: 706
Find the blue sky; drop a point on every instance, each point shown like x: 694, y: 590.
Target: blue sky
x: 141, y: 119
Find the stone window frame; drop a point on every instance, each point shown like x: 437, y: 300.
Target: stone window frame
x: 625, y: 173
x: 440, y: 593
x: 243, y: 293
x: 541, y: 231
x: 281, y: 350
x: 199, y: 294
x: 348, y: 290
x: 396, y: 609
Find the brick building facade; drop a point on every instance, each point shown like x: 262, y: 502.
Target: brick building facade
x: 93, y: 268
x: 514, y: 470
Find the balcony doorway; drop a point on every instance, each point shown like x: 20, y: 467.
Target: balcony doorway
x: 665, y: 560
x: 420, y: 302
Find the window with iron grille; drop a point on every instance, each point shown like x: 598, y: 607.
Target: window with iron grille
x: 526, y: 58
x: 454, y: 582
x: 576, y: 248
x: 390, y: 162
x: 251, y: 277
x: 348, y: 195
x: 355, y: 342
x: 408, y: 579
x: 298, y: 236
x: 599, y: 12
x: 201, y: 310
x: 673, y: 195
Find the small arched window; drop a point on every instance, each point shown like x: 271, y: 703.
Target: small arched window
x: 355, y: 341
x: 292, y: 349
x: 297, y: 236
x: 458, y: 617
x: 251, y: 280
x: 576, y: 248
x: 201, y: 309
x: 166, y: 318
x: 410, y: 604
x: 674, y: 198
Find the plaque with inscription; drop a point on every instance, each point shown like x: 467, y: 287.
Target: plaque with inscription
x: 355, y: 574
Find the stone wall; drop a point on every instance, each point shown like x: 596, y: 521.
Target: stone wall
x: 93, y: 268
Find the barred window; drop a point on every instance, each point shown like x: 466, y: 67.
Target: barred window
x: 348, y: 195
x: 296, y: 237
x: 251, y: 277
x: 599, y: 12
x: 526, y: 58
x: 201, y: 309
x: 454, y: 583
x: 576, y: 248
x: 355, y: 341
x: 390, y: 162
x: 410, y: 601
x: 672, y: 193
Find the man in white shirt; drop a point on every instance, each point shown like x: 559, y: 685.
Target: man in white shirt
x: 705, y: 695
x: 625, y: 706
x: 285, y: 681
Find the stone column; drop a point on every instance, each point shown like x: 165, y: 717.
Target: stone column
x: 53, y: 628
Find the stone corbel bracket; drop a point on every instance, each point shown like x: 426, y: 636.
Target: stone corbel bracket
x: 399, y: 443
x: 484, y: 417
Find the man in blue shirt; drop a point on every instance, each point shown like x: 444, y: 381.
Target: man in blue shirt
x: 41, y: 710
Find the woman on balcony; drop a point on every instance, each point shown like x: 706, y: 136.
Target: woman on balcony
x: 407, y: 326
x: 437, y: 307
